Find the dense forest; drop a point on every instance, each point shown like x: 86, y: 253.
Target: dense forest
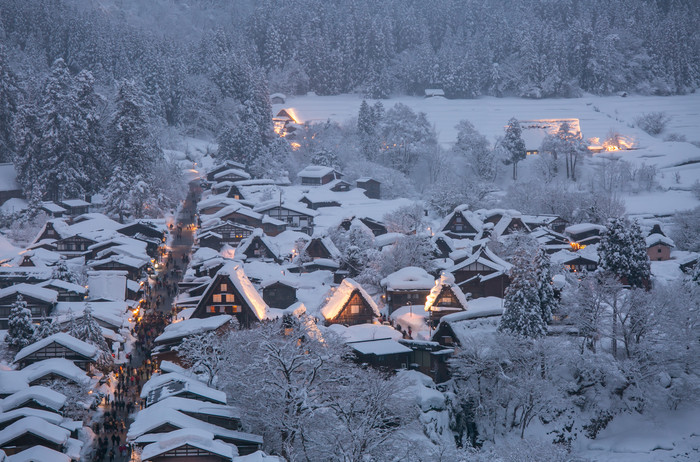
x: 71, y: 69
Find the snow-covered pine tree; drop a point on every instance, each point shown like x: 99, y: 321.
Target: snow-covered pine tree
x: 325, y: 156
x: 9, y: 102
x: 240, y: 141
x: 622, y: 252
x: 20, y: 331
x: 46, y: 328
x: 522, y: 313
x: 117, y: 195
x: 545, y: 290
x: 61, y: 271
x: 88, y: 330
x: 88, y: 134
x: 514, y: 145
x: 134, y: 150
x: 61, y: 170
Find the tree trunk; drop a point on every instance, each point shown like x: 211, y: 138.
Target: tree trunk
x: 515, y: 171
x: 568, y: 171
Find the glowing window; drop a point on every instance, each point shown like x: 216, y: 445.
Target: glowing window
x: 217, y: 298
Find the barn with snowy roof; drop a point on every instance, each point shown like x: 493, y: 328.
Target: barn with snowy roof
x: 349, y: 304
x: 231, y: 292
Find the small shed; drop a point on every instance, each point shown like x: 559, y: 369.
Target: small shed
x: 387, y: 354
x: 278, y: 293
x: 433, y: 92
x: 277, y: 98
x: 316, y: 175
x: 371, y: 186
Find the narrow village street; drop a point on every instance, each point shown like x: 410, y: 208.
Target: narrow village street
x: 157, y: 312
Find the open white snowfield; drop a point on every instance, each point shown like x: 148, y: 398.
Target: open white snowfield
x: 678, y: 163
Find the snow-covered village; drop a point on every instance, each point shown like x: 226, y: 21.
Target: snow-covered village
x: 352, y: 231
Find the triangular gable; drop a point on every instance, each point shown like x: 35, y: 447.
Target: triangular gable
x: 343, y: 294
x: 251, y: 305
x: 445, y: 293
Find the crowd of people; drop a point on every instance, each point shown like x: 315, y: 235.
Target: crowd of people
x: 126, y: 381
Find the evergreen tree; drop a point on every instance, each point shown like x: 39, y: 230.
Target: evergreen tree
x: 133, y: 149
x: 367, y: 128
x: 522, y: 313
x: 61, y: 271
x: 9, y: 104
x: 88, y: 330
x: 514, y: 145
x: 118, y: 195
x: 325, y: 156
x: 20, y: 331
x: 89, y: 138
x: 240, y: 141
x: 46, y: 328
x: 62, y: 171
x: 545, y: 291
x: 622, y: 252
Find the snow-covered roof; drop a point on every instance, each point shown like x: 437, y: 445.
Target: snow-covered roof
x: 51, y: 417
x: 125, y: 260
x: 315, y: 171
x: 473, y: 328
x: 473, y: 219
x: 38, y: 454
x: 57, y: 366
x: 52, y: 207
x: 379, y: 347
x: 583, y: 228
x: 341, y: 295
x: 191, y: 327
x: 107, y: 285
x: 409, y: 278
x: 30, y: 290
x: 146, y: 421
x: 67, y: 286
x: 190, y: 385
x: 434, y: 92
x: 293, y: 207
x: 12, y: 381
x: 198, y: 438
x: 232, y: 171
x: 197, y: 407
x: 61, y: 338
x: 113, y: 313
x: 328, y: 244
x: 656, y: 238
x: 447, y: 280
x: 277, y: 95
x: 8, y: 178
x: 35, y: 426
x: 478, y: 308
x: 75, y: 203
x: 362, y: 332
x: 42, y: 395
x: 235, y: 272
x: 257, y: 233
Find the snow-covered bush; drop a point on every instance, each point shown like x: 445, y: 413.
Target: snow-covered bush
x: 654, y: 123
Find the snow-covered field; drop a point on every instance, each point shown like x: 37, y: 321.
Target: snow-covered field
x: 678, y: 163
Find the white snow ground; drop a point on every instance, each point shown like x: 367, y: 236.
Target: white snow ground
x: 597, y: 115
